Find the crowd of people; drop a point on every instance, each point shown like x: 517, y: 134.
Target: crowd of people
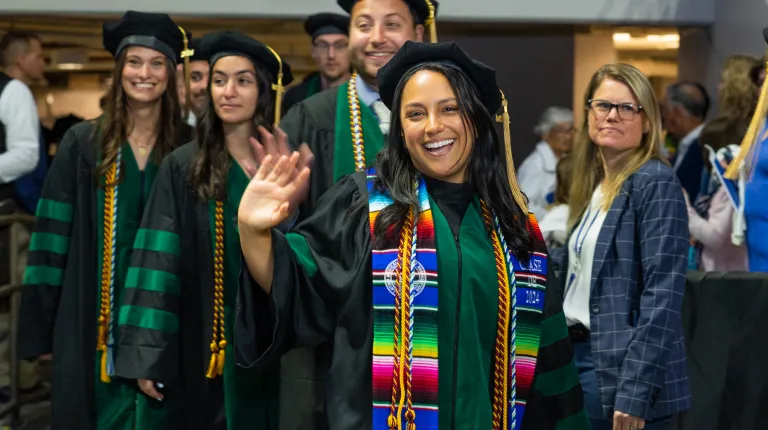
x: 360, y: 252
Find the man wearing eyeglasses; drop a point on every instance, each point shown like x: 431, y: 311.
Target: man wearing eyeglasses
x: 330, y: 50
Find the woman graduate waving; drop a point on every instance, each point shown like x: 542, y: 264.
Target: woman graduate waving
x: 427, y: 272
x: 87, y: 218
x: 177, y: 330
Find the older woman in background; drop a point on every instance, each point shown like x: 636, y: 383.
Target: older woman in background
x: 626, y: 259
x: 537, y: 173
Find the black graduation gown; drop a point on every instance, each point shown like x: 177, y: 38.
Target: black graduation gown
x: 334, y: 303
x: 167, y: 337
x: 59, y: 310
x: 307, y: 88
x: 313, y: 121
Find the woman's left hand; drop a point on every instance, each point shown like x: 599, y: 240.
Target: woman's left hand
x: 622, y: 421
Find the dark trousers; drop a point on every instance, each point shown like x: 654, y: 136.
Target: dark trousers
x: 592, y: 399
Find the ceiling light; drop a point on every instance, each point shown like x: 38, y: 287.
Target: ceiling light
x: 622, y: 37
x: 70, y: 66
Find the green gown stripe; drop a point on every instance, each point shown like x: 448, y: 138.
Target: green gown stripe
x: 148, y: 318
x: 553, y: 329
x: 578, y: 421
x: 49, y: 242
x: 43, y: 275
x: 302, y: 252
x: 157, y: 240
x: 52, y: 209
x: 343, y: 149
x: 557, y: 381
x: 153, y: 280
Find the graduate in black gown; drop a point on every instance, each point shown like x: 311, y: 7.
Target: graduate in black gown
x: 330, y: 50
x: 343, y: 125
x: 177, y: 325
x: 427, y: 273
x: 87, y: 218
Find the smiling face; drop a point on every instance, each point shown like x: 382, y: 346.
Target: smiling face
x: 611, y: 128
x: 378, y: 29
x: 145, y: 74
x: 436, y: 136
x: 198, y: 83
x: 234, y: 89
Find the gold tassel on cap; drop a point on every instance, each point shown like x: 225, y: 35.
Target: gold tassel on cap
x: 747, y: 151
x: 511, y: 174
x: 185, y: 54
x: 431, y: 22
x: 278, y: 87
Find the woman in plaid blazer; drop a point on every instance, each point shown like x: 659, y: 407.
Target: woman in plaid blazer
x: 626, y: 259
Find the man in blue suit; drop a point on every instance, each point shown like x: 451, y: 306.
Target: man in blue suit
x: 684, y: 109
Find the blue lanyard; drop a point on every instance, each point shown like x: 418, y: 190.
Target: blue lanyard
x: 580, y: 244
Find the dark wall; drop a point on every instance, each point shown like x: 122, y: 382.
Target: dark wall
x: 534, y: 71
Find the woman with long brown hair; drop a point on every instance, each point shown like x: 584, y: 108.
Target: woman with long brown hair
x: 626, y: 259
x: 436, y: 246
x: 87, y: 218
x: 177, y: 329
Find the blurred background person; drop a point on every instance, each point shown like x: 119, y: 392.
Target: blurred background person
x: 684, y: 110
x: 193, y: 105
x: 330, y: 50
x: 711, y: 224
x: 537, y: 172
x: 554, y: 225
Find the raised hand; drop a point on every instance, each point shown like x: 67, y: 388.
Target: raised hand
x: 273, y: 192
x: 276, y: 145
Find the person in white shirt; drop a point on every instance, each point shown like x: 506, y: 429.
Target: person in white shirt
x: 684, y: 110
x: 23, y: 62
x: 21, y: 56
x: 537, y: 173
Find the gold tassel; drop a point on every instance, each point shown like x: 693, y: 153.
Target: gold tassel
x: 185, y: 54
x: 511, y: 174
x: 218, y: 343
x: 222, y: 356
x: 278, y: 87
x: 103, y: 374
x: 747, y: 151
x: 211, y: 373
x: 431, y: 23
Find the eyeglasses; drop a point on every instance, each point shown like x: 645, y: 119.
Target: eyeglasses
x: 601, y: 109
x: 325, y: 47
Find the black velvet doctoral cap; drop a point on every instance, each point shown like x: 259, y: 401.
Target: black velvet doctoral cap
x: 412, y: 54
x: 151, y: 30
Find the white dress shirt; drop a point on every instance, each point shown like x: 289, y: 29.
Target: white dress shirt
x: 18, y: 113
x: 581, y: 256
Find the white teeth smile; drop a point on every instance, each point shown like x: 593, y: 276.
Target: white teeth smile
x: 440, y: 144
x: 379, y: 54
x: 144, y: 86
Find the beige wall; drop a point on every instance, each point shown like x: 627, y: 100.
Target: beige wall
x: 591, y: 51
x: 80, y: 97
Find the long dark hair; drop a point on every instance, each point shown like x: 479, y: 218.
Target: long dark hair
x: 208, y: 172
x: 486, y: 169
x: 113, y: 129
